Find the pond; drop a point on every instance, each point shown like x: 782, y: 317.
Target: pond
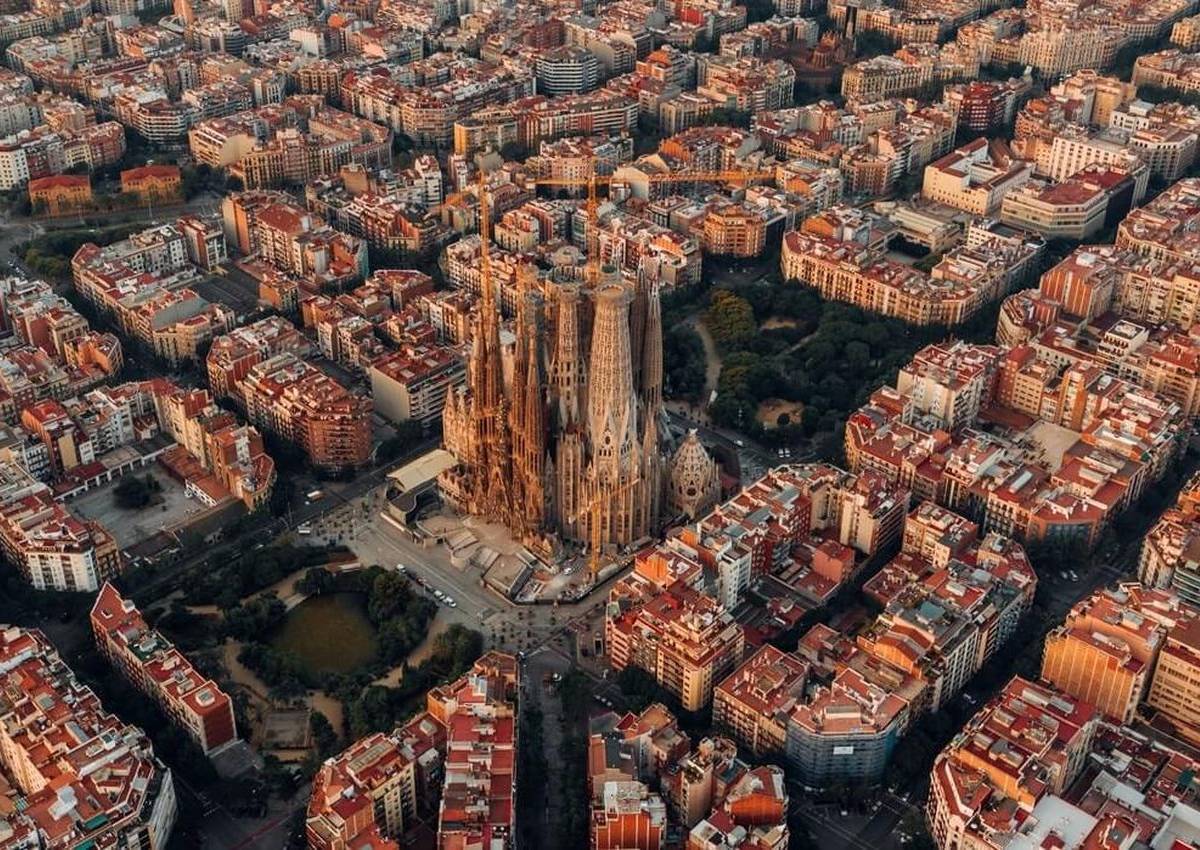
x: 331, y: 633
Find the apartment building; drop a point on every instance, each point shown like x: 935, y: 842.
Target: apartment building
x: 377, y: 784
x: 1185, y: 34
x: 293, y: 240
x: 667, y: 256
x: 142, y: 282
x: 686, y: 640
x: 1012, y: 36
x: 913, y: 69
x: 1012, y: 761
x: 1073, y: 149
x: 752, y: 704
x: 734, y: 230
x: 232, y: 355
x: 368, y: 794
x: 933, y: 628
x: 566, y: 70
x: 802, y: 524
x: 845, y: 731
x: 30, y: 154
x: 1075, y: 208
x: 426, y: 104
x: 1172, y: 69
x: 1107, y: 648
x: 1004, y: 482
x: 1162, y: 228
x: 51, y: 547
x: 627, y: 816
x: 152, y: 664
x: 37, y: 316
x: 1099, y: 95
x: 1132, y: 304
x: 479, y: 792
x: 1170, y: 555
x: 1173, y: 691
x: 392, y: 224
x: 751, y: 811
x: 975, y: 178
x: 292, y: 144
x: 297, y: 402
x: 829, y: 254
x: 218, y: 457
x: 746, y: 83
x: 174, y: 323
x: 61, y: 804
x: 411, y: 384
x: 986, y: 106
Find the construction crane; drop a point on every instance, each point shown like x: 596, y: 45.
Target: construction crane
x: 593, y: 181
x: 594, y: 508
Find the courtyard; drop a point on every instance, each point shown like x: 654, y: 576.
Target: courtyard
x: 170, y: 510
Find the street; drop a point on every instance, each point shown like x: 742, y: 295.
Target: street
x: 543, y: 797
x: 356, y: 522
x: 223, y: 831
x: 833, y: 826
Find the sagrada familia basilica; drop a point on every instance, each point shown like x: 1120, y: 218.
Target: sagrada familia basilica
x: 560, y: 433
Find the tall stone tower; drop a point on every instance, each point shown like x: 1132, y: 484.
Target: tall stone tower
x: 616, y: 486
x: 612, y: 406
x: 567, y: 383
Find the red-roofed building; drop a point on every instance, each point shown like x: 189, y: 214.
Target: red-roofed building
x: 753, y: 703
x: 153, y: 183
x: 686, y: 640
x: 192, y: 701
x: 297, y: 402
x: 1109, y: 645
x: 628, y: 816
x: 53, y: 549
x: 80, y: 777
x: 479, y: 792
x: 412, y: 384
x: 61, y: 193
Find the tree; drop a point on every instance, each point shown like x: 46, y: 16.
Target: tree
x: 282, y: 671
x: 730, y: 319
x: 575, y: 690
x: 255, y: 618
x: 371, y: 712
x: 872, y: 43
x: 324, y: 737
x: 638, y: 687
x: 759, y: 10
x: 683, y: 355
x: 132, y: 492
x: 457, y: 648
x: 388, y: 596
x: 316, y: 581
x: 409, y: 434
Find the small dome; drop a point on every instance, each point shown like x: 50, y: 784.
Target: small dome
x: 695, y: 478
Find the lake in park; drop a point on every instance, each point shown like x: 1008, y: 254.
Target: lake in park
x: 331, y: 633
